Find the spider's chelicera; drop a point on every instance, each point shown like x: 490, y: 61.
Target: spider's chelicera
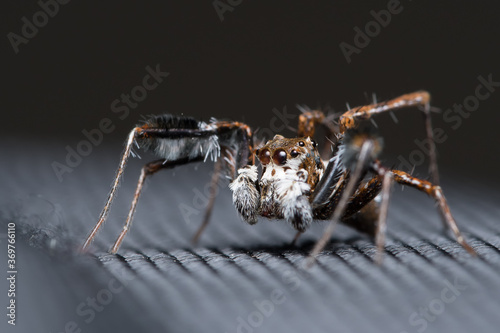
x: 294, y: 182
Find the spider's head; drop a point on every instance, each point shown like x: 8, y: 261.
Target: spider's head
x: 281, y: 154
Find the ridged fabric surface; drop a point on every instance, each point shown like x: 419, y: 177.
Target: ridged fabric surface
x: 239, y: 278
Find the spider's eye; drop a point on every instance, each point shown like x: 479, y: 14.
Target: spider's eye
x: 301, y: 143
x: 279, y: 157
x: 264, y: 156
x: 314, y: 143
x: 294, y: 153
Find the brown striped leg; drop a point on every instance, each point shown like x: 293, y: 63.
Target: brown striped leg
x: 382, y: 181
x: 151, y: 132
x: 365, y: 215
x: 351, y: 118
x: 111, y: 195
x: 143, y: 132
x: 364, y: 156
x: 147, y: 170
x: 245, y: 146
x: 435, y: 192
x: 308, y: 121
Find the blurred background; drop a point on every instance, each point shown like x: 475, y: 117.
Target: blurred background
x: 240, y: 60
x: 77, y: 79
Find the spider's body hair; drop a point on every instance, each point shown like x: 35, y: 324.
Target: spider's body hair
x: 204, y: 143
x: 293, y: 192
x: 287, y: 186
x: 245, y: 193
x: 272, y: 195
x: 295, y: 184
x: 291, y: 169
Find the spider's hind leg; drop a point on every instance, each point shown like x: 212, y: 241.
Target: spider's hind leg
x: 436, y: 193
x: 121, y: 168
x: 177, y: 140
x: 213, y: 194
x: 147, y: 170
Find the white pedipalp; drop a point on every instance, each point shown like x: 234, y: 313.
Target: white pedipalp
x: 249, y: 171
x: 292, y: 192
x: 245, y: 194
x: 292, y: 185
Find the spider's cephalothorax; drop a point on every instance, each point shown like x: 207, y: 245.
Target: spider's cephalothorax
x: 294, y: 183
x: 291, y: 168
x: 281, y: 154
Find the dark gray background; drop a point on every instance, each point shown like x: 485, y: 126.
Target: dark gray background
x: 262, y: 56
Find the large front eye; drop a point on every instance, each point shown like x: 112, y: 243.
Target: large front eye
x: 279, y: 157
x: 265, y: 156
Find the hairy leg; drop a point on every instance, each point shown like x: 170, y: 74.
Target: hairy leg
x: 180, y: 140
x: 436, y: 193
x: 114, y: 187
x: 213, y: 194
x: 147, y: 170
x: 348, y: 191
x: 433, y: 191
x: 351, y: 118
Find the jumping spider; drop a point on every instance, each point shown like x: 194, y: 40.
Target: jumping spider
x: 295, y: 183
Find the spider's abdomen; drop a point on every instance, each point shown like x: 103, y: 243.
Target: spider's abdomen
x: 180, y: 137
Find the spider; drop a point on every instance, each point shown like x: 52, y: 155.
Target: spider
x: 295, y: 183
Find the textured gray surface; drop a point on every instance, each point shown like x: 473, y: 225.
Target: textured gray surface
x: 264, y: 56
x: 237, y: 269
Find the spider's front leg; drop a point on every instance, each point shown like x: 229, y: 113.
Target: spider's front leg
x: 246, y: 196
x: 354, y: 202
